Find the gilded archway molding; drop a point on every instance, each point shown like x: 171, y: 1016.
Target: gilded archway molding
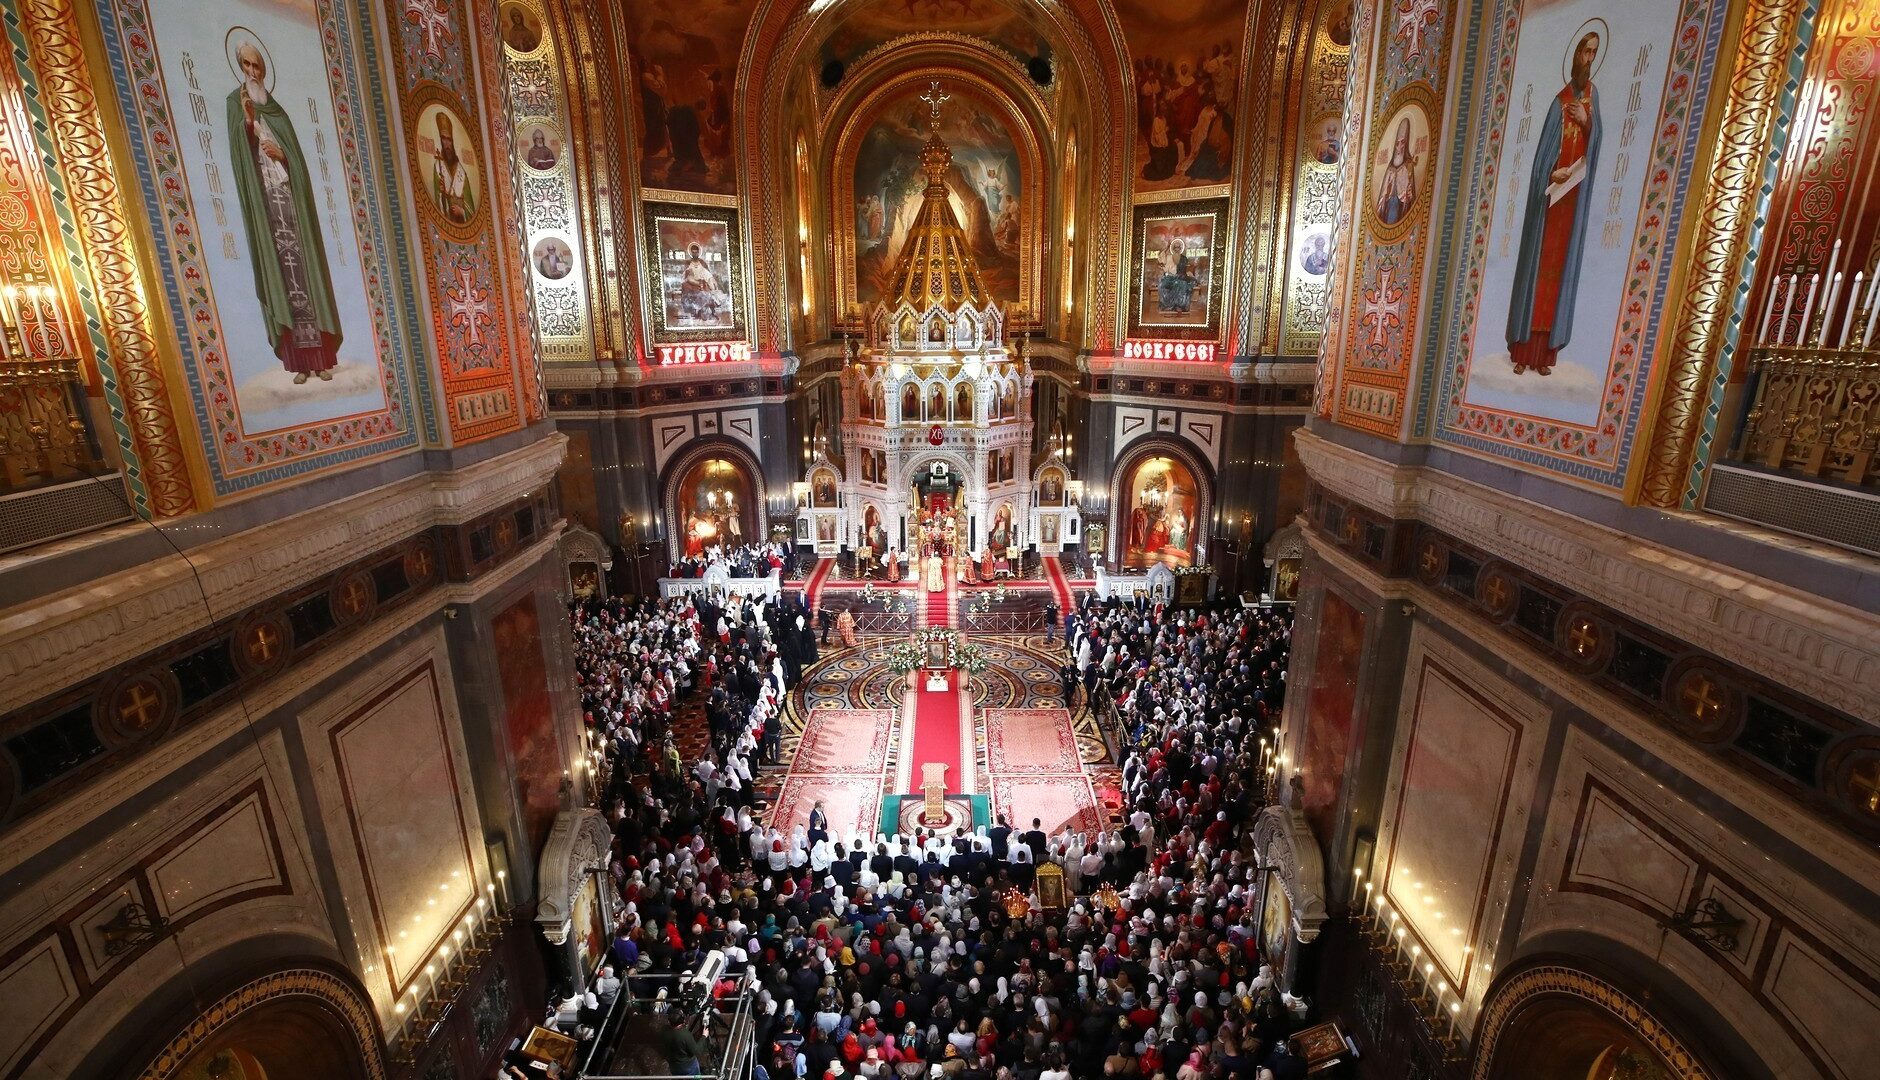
x: 1133, y: 456
x: 1721, y: 257
x: 712, y: 446
x: 856, y: 112
x: 1537, y: 984
x: 776, y: 45
x: 321, y: 987
x: 77, y: 128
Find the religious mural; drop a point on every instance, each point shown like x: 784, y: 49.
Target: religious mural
x: 694, y: 273
x: 1186, y: 55
x: 521, y: 28
x: 697, y: 293
x: 1400, y: 168
x: 1569, y: 265
x: 1305, y: 290
x: 685, y: 66
x: 287, y: 317
x: 716, y: 506
x: 1177, y: 267
x: 1160, y: 500
x: 1005, y: 23
x: 1176, y: 286
x: 1554, y: 283
x: 449, y: 168
x: 985, y: 186
x: 254, y: 162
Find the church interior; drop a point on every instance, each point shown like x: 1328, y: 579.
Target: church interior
x: 978, y: 539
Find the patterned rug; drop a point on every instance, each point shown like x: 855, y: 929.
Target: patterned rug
x: 852, y: 803
x: 845, y: 727
x: 1031, y: 741
x: 1058, y: 802
x: 1021, y: 672
x: 845, y: 741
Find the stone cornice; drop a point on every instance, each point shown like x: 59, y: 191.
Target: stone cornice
x: 60, y: 640
x: 1767, y: 804
x: 1811, y: 644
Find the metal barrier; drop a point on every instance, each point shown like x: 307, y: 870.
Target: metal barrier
x: 1006, y: 622
x: 733, y: 1052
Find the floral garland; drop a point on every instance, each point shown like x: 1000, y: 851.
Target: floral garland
x: 912, y: 655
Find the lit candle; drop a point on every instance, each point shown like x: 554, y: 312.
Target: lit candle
x: 1834, y: 260
x: 1788, y: 308
x: 502, y: 883
x: 1853, y: 302
x: 1455, y: 1018
x: 1873, y: 308
x: 1369, y: 897
x: 1828, y: 300
x: 1769, y: 310
x: 430, y: 973
x: 1808, y: 307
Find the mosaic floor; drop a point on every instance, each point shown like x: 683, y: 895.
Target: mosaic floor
x: 845, y: 733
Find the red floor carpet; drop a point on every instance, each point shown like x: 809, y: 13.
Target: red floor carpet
x: 812, y: 591
x: 1060, y: 588
x: 937, y: 731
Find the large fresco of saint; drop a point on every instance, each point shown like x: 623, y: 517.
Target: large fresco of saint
x: 1589, y: 81
x: 260, y: 154
x: 685, y: 69
x: 1186, y: 55
x: 985, y: 184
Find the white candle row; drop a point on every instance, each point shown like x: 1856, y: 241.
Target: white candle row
x: 1850, y: 297
x: 36, y: 314
x: 469, y: 931
x: 1375, y: 911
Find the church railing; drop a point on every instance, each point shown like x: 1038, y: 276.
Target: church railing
x: 883, y: 622
x: 1006, y: 622
x: 1805, y: 458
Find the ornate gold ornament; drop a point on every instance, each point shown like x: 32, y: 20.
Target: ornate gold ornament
x: 77, y: 128
x: 1742, y: 131
x: 329, y: 990
x: 1554, y: 981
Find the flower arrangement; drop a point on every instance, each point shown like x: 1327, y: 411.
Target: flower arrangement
x: 913, y: 654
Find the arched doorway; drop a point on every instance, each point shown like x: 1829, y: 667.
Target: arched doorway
x: 1162, y: 500
x: 291, y: 1025
x: 1559, y: 1023
x: 714, y: 504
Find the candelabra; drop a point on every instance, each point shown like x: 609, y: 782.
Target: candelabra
x: 43, y: 435
x: 1438, y: 1010
x: 446, y: 973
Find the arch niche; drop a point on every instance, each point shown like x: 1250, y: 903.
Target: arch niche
x: 1164, y: 498
x: 713, y: 493
x: 297, y: 1024
x: 995, y: 125
x: 784, y: 42
x: 1554, y: 1022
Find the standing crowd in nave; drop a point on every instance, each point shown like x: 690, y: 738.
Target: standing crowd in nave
x: 895, y: 956
x: 747, y: 561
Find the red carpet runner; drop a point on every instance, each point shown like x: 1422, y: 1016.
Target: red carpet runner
x: 1060, y: 588
x: 938, y: 728
x: 812, y: 590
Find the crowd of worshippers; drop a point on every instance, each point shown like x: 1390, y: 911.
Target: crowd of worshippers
x: 634, y: 660
x: 896, y: 957
x: 748, y: 561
